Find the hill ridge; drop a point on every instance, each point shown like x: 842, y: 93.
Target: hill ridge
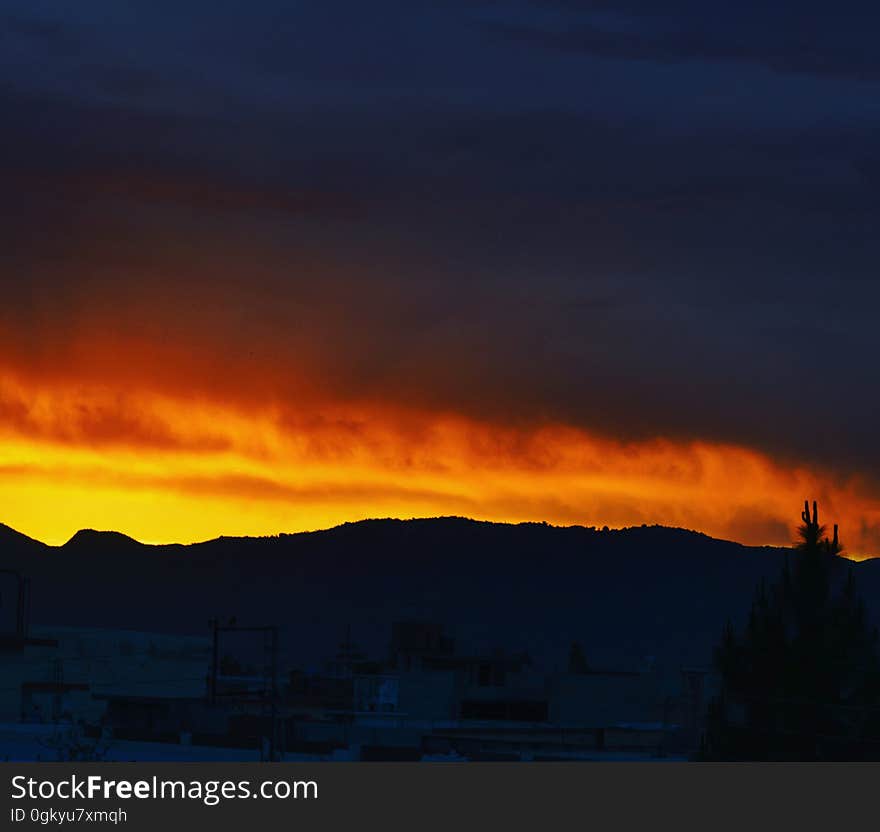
x: 91, y: 535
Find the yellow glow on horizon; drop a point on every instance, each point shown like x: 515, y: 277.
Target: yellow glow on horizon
x: 171, y: 470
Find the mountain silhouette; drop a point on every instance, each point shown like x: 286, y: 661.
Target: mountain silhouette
x: 91, y: 540
x: 12, y: 541
x: 622, y: 594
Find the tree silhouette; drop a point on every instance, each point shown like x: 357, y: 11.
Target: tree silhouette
x: 803, y: 679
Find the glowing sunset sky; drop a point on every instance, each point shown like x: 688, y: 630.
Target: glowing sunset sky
x: 274, y: 269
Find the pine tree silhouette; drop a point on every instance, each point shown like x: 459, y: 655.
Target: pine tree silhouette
x: 803, y: 679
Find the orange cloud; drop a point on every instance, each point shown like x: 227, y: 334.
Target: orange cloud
x: 166, y: 468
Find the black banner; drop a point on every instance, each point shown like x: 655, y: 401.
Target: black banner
x: 410, y: 796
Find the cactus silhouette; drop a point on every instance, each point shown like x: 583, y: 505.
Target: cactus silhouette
x: 812, y: 533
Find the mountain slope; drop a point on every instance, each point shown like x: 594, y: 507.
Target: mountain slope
x: 624, y: 594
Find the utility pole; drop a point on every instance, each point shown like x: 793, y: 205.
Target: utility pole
x: 23, y: 599
x: 215, y: 667
x: 267, y: 695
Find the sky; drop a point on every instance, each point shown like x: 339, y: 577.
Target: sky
x: 273, y: 266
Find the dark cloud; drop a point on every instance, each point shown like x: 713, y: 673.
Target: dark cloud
x: 53, y: 36
x: 540, y: 235
x: 196, y: 193
x: 811, y: 38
